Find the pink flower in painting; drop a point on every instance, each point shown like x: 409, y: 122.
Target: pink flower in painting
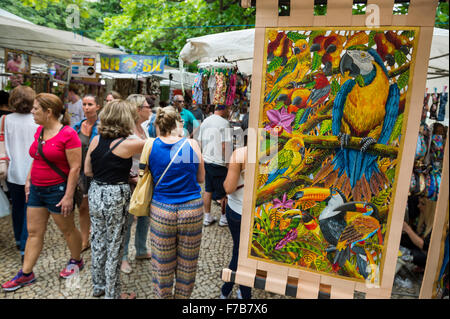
x: 279, y: 120
x: 284, y: 203
x: 290, y: 236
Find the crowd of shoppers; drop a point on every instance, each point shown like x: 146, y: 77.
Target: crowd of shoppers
x: 85, y: 157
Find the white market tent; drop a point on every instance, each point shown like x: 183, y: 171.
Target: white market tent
x: 238, y: 46
x: 47, y: 45
x: 43, y: 42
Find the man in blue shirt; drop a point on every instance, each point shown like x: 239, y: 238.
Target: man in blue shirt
x: 190, y: 123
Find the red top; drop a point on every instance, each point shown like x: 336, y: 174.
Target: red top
x: 54, y: 150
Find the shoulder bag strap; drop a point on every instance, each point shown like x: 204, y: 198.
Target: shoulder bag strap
x: 2, y: 127
x: 112, y: 149
x: 143, y: 161
x: 52, y: 165
x: 173, y: 158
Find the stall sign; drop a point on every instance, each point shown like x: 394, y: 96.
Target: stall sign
x: 83, y: 65
x: 136, y: 64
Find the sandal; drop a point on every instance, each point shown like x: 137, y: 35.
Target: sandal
x: 130, y: 295
x: 98, y: 294
x: 126, y: 268
x: 83, y: 249
x: 147, y: 256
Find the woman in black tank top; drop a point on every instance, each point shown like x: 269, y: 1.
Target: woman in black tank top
x: 108, y: 161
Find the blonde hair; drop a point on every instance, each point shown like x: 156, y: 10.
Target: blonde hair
x: 166, y: 119
x: 116, y: 119
x: 115, y: 95
x: 137, y: 99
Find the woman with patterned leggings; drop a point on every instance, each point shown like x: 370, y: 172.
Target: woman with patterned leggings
x: 176, y: 212
x: 108, y: 161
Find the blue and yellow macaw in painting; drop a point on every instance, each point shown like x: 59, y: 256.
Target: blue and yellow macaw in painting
x: 294, y: 70
x: 366, y: 106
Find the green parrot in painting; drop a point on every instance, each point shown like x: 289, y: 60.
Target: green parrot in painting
x: 295, y: 69
x: 286, y: 160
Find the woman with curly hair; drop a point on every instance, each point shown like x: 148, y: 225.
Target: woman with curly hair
x: 108, y: 161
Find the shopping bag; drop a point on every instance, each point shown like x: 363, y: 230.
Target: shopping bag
x: 5, y: 208
x: 142, y: 194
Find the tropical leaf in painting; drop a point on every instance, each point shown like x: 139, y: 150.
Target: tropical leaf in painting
x: 310, y: 85
x: 382, y: 198
x: 408, y: 33
x: 397, y: 130
x: 314, y: 34
x: 316, y: 61
x: 371, y: 42
x: 295, y: 36
x: 335, y: 87
x: 274, y: 64
x: 325, y: 127
x: 298, y: 245
x: 275, y: 217
x: 403, y: 80
x: 390, y: 174
x: 399, y: 57
x: 359, y: 38
x: 297, y: 119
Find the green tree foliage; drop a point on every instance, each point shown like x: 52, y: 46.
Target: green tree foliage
x: 53, y: 14
x: 162, y: 27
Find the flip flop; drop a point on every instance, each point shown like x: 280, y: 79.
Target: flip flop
x: 130, y: 295
x: 85, y: 248
x: 126, y: 269
x: 148, y: 256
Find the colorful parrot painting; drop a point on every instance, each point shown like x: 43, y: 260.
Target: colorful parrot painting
x: 286, y: 160
x: 334, y: 107
x: 366, y: 106
x: 319, y: 94
x: 294, y: 70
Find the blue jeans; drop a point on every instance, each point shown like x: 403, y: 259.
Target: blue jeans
x: 234, y: 224
x: 140, y: 238
x: 19, y: 214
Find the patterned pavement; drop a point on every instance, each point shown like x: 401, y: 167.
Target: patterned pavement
x: 215, y: 254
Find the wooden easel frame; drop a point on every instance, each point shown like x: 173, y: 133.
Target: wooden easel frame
x: 279, y: 278
x: 435, y: 250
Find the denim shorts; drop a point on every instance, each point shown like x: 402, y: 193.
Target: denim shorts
x: 47, y: 196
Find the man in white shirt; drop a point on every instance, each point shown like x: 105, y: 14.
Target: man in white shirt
x: 75, y: 106
x: 216, y: 137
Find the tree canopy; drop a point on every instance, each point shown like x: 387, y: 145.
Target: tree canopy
x: 156, y: 26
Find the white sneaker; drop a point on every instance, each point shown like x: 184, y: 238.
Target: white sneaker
x: 224, y: 297
x: 208, y: 220
x: 223, y: 221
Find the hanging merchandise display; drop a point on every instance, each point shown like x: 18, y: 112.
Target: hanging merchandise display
x: 442, y: 105
x: 220, y: 83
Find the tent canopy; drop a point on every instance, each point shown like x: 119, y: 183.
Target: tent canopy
x: 47, y: 44
x: 15, y: 34
x: 238, y: 46
x: 234, y: 46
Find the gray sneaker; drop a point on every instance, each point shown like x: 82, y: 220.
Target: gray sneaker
x: 209, y: 220
x: 223, y: 221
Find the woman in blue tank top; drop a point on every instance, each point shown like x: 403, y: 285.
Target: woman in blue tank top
x: 176, y: 212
